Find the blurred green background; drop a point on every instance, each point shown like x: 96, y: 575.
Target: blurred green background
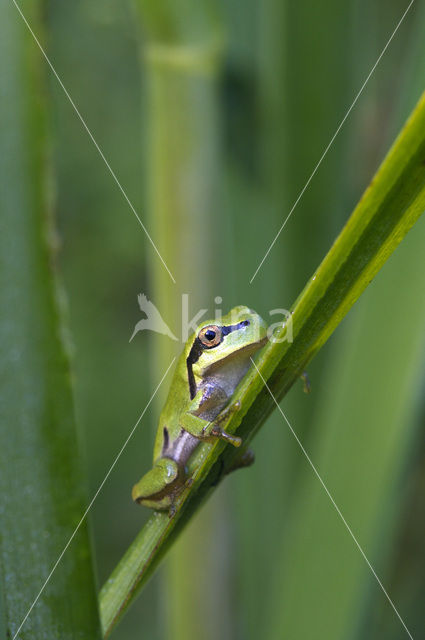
x: 213, y: 116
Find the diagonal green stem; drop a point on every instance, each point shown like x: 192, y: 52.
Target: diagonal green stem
x: 390, y: 206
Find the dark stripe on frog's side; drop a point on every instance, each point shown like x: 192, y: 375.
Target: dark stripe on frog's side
x: 193, y: 357
x: 181, y: 448
x: 166, y: 437
x: 198, y: 348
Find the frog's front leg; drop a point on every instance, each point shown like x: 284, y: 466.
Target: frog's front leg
x: 224, y: 416
x: 206, y: 429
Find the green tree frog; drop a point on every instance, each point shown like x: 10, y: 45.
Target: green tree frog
x: 213, y: 362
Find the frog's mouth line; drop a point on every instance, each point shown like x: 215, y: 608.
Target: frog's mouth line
x: 244, y: 352
x: 198, y: 348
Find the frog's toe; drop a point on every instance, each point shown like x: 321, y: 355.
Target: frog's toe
x: 218, y: 432
x: 172, y: 510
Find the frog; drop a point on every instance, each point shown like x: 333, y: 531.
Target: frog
x: 214, y: 360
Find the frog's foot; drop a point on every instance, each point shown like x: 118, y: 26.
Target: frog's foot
x: 214, y: 429
x: 172, y: 510
x: 206, y: 430
x: 218, y: 432
x: 188, y: 483
x: 306, y: 382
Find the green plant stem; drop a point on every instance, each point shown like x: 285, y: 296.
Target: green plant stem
x: 183, y: 147
x: 388, y: 209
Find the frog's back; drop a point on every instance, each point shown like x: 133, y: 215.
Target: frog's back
x: 176, y: 403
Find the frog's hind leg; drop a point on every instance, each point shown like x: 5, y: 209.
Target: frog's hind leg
x: 155, y: 488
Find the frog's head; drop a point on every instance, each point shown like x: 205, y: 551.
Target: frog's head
x: 222, y: 343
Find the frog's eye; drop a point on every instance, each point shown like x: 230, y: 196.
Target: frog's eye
x: 210, y: 336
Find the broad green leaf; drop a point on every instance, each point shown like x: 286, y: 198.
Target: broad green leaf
x: 41, y: 486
